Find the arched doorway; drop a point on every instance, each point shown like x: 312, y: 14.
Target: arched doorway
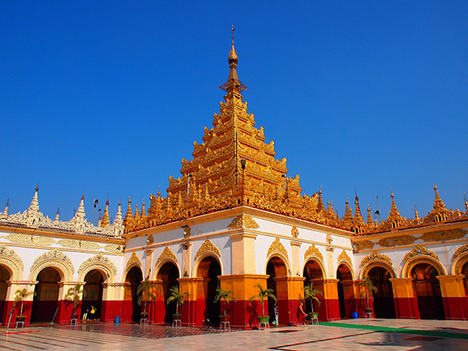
x: 132, y: 309
x: 4, y: 277
x: 313, y: 274
x: 427, y: 289
x: 464, y: 271
x: 384, y: 306
x: 345, y: 291
x: 277, y: 269
x: 45, y: 303
x: 93, y: 293
x: 168, y: 274
x: 209, y: 269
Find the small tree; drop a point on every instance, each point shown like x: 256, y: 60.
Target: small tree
x: 177, y: 297
x: 144, y: 292
x: 20, y: 296
x: 310, y: 293
x: 369, y: 289
x: 226, y: 296
x: 263, y: 294
x: 73, y: 294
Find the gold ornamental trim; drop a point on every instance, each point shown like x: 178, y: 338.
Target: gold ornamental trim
x: 444, y: 235
x: 294, y: 232
x: 113, y: 248
x: 376, y: 256
x: 96, y: 262
x: 397, y: 241
x: 53, y: 258
x: 276, y: 246
x: 419, y: 251
x: 365, y: 245
x: 461, y: 250
x: 12, y: 260
x: 134, y: 260
x: 243, y: 221
x: 343, y: 257
x: 207, y: 246
x: 28, y: 239
x: 311, y: 252
x: 167, y: 253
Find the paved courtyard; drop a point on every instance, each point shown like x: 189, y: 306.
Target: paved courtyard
x: 359, y: 334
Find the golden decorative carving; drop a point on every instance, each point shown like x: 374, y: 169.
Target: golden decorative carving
x: 276, y: 246
x: 70, y: 243
x: 419, y: 251
x: 365, y: 244
x: 294, y: 232
x: 313, y: 251
x: 42, y: 240
x: 207, y: 246
x: 343, y: 257
x: 113, y: 248
x: 53, y: 258
x: 95, y: 262
x: 134, y: 260
x: 461, y: 250
x: 167, y: 253
x: 397, y: 241
x: 19, y: 238
x: 89, y: 245
x: 444, y: 235
x: 376, y: 256
x: 243, y: 221
x: 187, y: 232
x: 12, y: 260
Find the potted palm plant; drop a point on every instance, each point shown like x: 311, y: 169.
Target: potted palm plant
x: 310, y: 293
x: 20, y: 296
x: 226, y: 296
x: 73, y: 295
x: 178, y: 298
x: 144, y: 292
x: 263, y: 294
x: 369, y: 289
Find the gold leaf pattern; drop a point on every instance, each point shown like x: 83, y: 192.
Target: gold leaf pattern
x: 376, y: 256
x: 419, y: 251
x: 243, y: 221
x: 444, y: 235
x: 397, y: 241
x: 313, y: 251
x: 167, y: 253
x: 365, y: 244
x: 276, y: 246
x: 294, y: 232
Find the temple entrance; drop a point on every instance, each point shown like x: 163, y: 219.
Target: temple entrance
x: 209, y: 269
x: 45, y: 303
x: 4, y: 277
x: 427, y: 289
x: 345, y: 291
x: 93, y: 294
x: 168, y: 274
x: 384, y: 306
x: 132, y: 280
x: 313, y: 274
x: 277, y: 269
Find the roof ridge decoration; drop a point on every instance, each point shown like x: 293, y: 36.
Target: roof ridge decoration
x: 33, y: 218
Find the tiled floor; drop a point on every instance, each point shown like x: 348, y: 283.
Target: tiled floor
x: 359, y: 334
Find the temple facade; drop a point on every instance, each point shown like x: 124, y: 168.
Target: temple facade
x: 235, y: 220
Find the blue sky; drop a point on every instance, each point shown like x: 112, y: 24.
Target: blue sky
x: 106, y: 98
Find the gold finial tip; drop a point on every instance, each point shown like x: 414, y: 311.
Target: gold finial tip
x: 232, y: 34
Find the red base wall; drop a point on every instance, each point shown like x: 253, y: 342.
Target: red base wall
x: 406, y: 307
x: 456, y: 308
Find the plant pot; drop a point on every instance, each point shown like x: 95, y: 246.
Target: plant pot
x: 74, y: 316
x: 313, y: 315
x: 264, y: 319
x: 20, y: 318
x: 176, y: 316
x: 144, y: 314
x: 368, y: 310
x: 224, y: 318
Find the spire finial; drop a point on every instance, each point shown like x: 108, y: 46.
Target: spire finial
x: 232, y: 33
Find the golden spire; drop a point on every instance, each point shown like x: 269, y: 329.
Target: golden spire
x: 320, y: 205
x: 128, y: 220
x: 438, y: 203
x: 136, y: 218
x: 105, y: 219
x: 394, y: 219
x: 416, y: 214
x: 357, y: 211
x: 233, y: 85
x: 143, y: 212
x: 439, y: 213
x: 369, y: 216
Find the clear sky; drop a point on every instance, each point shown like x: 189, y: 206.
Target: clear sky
x: 106, y: 97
